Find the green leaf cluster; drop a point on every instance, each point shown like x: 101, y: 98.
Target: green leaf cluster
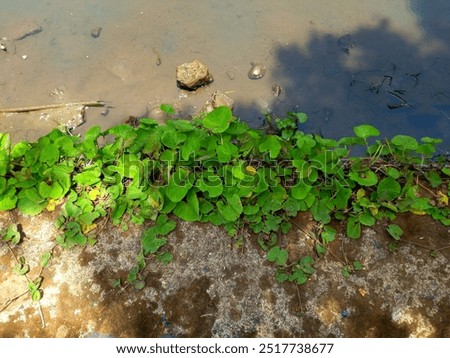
x: 216, y: 169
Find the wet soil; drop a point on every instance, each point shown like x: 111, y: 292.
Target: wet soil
x: 385, y: 63
x: 214, y: 289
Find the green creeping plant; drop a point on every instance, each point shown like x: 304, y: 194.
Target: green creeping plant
x: 216, y: 169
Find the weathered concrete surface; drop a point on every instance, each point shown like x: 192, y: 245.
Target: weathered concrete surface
x: 212, y: 289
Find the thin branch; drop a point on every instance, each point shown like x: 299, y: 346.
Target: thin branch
x: 10, y: 301
x: 29, y: 281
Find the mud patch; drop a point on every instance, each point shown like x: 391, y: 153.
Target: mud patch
x: 192, y: 309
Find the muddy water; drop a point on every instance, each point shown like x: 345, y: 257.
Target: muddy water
x: 344, y: 63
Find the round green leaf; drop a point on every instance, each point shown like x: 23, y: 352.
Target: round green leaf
x: 167, y: 108
x: 178, y: 186
x: 181, y: 125
x: 186, y: 212
x: 365, y: 178
x: 393, y: 173
x: 353, y: 228
x: 366, y: 219
x: 431, y: 140
x: 150, y: 242
x: 90, y: 176
x: 271, y: 145
x: 20, y: 149
x: 388, y: 189
x: 405, y: 142
x: 45, y: 258
x: 218, y: 120
x: 172, y: 138
x: 278, y: 255
x: 395, y: 231
x: 214, y: 189
x: 189, y: 210
x: 232, y: 210
x: 328, y: 234
x: 300, y: 191
x: 365, y: 131
x: 49, y: 154
x: 4, y: 163
x: 8, y: 199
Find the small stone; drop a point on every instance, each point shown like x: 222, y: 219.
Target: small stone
x: 276, y: 90
x: 345, y: 43
x: 136, y: 113
x: 95, y: 32
x: 218, y: 99
x: 193, y: 75
x: 158, y: 114
x: 24, y: 57
x: 257, y: 71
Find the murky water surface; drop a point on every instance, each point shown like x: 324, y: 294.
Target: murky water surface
x: 343, y: 62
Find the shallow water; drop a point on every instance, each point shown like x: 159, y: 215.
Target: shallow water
x: 344, y: 63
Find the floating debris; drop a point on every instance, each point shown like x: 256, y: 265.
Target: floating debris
x: 257, y: 71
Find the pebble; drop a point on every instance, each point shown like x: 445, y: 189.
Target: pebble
x: 345, y: 43
x: 257, y: 71
x: 95, y: 32
x: 276, y: 90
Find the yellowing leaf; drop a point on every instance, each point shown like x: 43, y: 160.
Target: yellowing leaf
x: 442, y: 199
x: 94, y: 194
x: 362, y: 292
x: 87, y: 228
x: 361, y: 193
x: 418, y: 212
x: 373, y: 210
x: 153, y: 202
x: 52, y: 203
x: 250, y: 170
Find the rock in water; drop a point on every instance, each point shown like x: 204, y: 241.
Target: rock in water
x: 276, y: 90
x: 218, y: 99
x: 193, y: 75
x: 257, y: 71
